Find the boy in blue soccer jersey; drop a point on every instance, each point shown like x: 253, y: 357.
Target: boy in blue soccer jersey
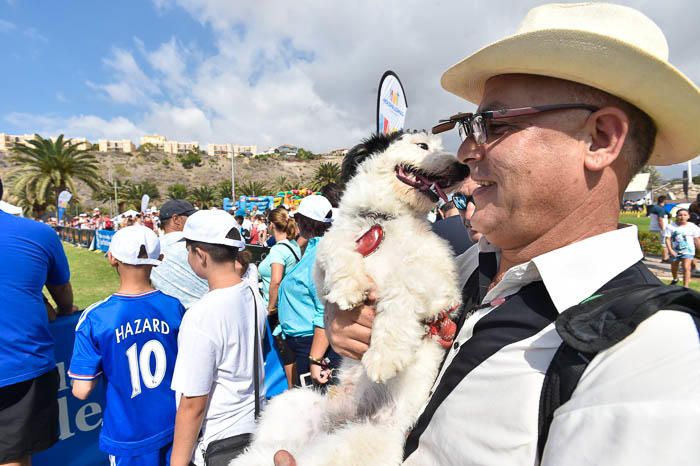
x: 131, y: 338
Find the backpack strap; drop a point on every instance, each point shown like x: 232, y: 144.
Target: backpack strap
x: 256, y: 356
x: 596, y: 324
x: 291, y: 249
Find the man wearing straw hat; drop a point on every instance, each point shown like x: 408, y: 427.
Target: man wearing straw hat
x: 570, y: 108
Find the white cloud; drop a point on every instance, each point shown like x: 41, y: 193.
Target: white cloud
x: 132, y: 86
x: 89, y: 126
x: 178, y: 123
x: 7, y: 26
x: 306, y: 72
x: 33, y: 34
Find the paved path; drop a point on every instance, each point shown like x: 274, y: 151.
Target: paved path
x: 663, y: 271
x: 657, y: 267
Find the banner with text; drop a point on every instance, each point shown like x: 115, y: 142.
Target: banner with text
x: 103, y: 238
x: 79, y: 421
x: 391, y: 104
x: 63, y: 199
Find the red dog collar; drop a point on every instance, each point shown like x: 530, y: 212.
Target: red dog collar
x: 370, y: 240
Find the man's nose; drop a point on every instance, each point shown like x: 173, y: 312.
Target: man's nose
x: 470, y: 151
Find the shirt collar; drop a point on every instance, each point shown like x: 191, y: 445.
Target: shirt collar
x: 574, y: 272
x: 171, y: 238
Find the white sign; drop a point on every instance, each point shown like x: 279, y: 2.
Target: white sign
x: 144, y: 202
x: 391, y: 104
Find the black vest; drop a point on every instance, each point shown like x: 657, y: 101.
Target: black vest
x: 525, y: 314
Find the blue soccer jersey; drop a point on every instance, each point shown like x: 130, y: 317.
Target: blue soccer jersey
x: 132, y: 340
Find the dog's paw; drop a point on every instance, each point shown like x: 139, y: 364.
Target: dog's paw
x: 347, y: 297
x: 379, y: 367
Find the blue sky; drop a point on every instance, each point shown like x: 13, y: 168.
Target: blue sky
x: 57, y: 47
x: 252, y: 72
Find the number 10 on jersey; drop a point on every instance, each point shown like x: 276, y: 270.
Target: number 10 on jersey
x: 140, y: 362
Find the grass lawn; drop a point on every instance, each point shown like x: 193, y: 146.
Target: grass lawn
x: 641, y: 222
x: 92, y: 277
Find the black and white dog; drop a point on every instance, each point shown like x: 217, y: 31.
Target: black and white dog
x: 380, y: 232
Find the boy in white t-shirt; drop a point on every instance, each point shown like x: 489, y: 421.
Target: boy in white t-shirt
x: 214, y: 370
x: 681, y: 239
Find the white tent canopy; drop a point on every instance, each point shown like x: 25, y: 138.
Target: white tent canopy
x: 10, y: 209
x: 637, y: 189
x: 639, y: 183
x: 128, y: 213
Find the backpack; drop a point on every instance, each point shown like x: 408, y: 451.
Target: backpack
x: 596, y: 324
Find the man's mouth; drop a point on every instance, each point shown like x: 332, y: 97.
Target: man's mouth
x: 430, y: 184
x: 483, y: 187
x: 484, y: 183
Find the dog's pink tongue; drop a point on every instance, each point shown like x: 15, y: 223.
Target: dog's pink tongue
x: 438, y: 190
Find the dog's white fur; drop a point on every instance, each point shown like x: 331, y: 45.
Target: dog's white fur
x: 364, y: 419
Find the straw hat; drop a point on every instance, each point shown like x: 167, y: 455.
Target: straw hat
x: 610, y: 47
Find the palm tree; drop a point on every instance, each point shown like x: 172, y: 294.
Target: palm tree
x: 204, y: 196
x: 132, y: 193
x: 178, y: 191
x: 251, y: 188
x: 223, y: 189
x: 282, y: 183
x: 327, y: 172
x: 48, y: 167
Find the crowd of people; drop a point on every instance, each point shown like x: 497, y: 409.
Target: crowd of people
x: 179, y: 343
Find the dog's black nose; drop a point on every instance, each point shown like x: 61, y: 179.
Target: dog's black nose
x: 461, y: 170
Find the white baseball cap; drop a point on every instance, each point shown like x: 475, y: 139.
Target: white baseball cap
x: 211, y: 226
x: 316, y: 208
x: 130, y: 242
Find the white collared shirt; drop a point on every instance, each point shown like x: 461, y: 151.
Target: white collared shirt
x: 637, y: 403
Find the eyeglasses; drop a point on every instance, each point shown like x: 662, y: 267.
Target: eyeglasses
x: 475, y: 125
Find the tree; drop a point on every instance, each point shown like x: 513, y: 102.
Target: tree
x: 282, y: 183
x: 223, y: 189
x: 192, y: 158
x: 655, y: 178
x: 304, y: 154
x: 178, y: 191
x: 131, y: 193
x: 251, y: 188
x: 147, y: 148
x: 46, y: 167
x: 327, y: 172
x: 204, y: 197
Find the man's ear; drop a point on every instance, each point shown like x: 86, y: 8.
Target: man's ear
x: 201, y: 255
x: 608, y: 129
x: 112, y: 261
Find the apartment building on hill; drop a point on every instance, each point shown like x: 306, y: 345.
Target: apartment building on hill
x: 118, y: 145
x: 230, y: 150
x: 8, y: 141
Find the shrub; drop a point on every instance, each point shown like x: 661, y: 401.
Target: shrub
x: 651, y: 245
x: 190, y: 159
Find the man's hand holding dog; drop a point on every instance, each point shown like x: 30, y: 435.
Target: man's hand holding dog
x: 349, y: 332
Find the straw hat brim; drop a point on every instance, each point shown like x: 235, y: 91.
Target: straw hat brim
x: 653, y: 85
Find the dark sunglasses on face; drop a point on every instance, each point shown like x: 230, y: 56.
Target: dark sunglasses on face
x: 461, y: 200
x: 475, y: 125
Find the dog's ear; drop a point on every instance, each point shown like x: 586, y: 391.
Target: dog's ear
x: 361, y: 152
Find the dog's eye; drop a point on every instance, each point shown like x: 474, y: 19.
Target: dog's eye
x: 422, y: 145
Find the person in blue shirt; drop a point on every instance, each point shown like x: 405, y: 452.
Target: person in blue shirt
x: 32, y: 256
x: 300, y: 309
x: 282, y: 257
x: 131, y: 339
